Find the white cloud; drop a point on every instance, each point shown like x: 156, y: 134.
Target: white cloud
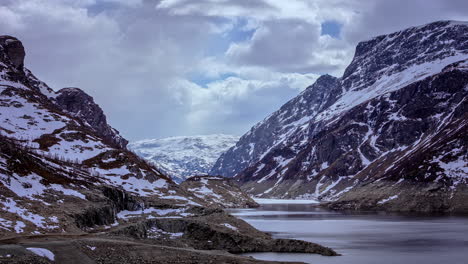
x: 247, y: 99
x: 137, y: 57
x: 291, y: 46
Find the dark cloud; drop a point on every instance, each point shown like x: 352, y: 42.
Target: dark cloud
x: 383, y: 17
x: 285, y: 44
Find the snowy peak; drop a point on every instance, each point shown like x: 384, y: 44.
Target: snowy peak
x: 182, y: 157
x: 393, y: 53
x: 276, y: 128
x: 401, y: 104
x: 381, y: 65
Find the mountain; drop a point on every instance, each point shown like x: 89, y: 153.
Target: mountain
x: 183, y: 157
x: 58, y: 152
x: 389, y: 134
x: 70, y: 191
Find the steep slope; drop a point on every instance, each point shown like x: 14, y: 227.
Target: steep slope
x: 276, y: 128
x: 58, y: 155
x: 77, y: 103
x: 183, y: 157
x: 395, y: 118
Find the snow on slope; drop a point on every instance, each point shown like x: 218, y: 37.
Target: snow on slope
x: 59, y: 157
x: 400, y: 104
x: 182, y: 157
x: 381, y: 65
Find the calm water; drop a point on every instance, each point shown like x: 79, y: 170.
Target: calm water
x: 364, y: 238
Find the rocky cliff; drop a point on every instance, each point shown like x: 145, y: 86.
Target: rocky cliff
x: 79, y: 104
x: 389, y: 131
x: 58, y: 154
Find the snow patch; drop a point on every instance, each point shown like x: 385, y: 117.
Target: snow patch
x: 387, y: 199
x: 43, y: 253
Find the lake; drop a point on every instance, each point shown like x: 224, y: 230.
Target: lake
x: 364, y: 237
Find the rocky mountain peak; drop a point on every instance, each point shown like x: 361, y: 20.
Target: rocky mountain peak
x: 400, y: 105
x: 72, y: 100
x: 396, y: 52
x: 324, y: 79
x: 13, y: 50
x: 78, y: 103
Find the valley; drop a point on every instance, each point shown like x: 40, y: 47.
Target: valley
x: 368, y: 167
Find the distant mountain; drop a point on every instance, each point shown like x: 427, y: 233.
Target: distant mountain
x: 183, y: 157
x: 391, y: 133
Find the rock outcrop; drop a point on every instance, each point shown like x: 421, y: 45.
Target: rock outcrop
x: 219, y: 191
x: 82, y: 106
x: 13, y: 51
x: 216, y: 230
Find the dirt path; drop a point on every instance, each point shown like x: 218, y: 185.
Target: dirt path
x: 88, y: 249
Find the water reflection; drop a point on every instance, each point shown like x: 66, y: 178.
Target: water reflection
x: 364, y: 237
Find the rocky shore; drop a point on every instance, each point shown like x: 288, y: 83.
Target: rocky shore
x: 179, y: 235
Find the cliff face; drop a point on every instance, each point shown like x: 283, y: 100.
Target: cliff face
x: 386, y: 132
x: 276, y: 128
x: 13, y: 51
x: 82, y: 106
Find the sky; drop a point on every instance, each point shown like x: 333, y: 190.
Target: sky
x: 163, y: 68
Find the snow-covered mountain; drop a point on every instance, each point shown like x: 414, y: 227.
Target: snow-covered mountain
x: 62, y: 167
x: 183, y: 157
x: 390, y: 133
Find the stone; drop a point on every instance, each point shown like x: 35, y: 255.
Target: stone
x: 14, y: 51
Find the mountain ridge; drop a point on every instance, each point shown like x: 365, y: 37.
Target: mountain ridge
x: 307, y: 150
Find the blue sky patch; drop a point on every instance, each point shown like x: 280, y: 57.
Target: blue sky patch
x: 331, y: 28
x: 220, y: 43
x: 203, y: 81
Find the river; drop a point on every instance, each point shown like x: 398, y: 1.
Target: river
x: 364, y: 237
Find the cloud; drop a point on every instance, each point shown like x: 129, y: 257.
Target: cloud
x: 290, y: 46
x: 234, y: 103
x: 236, y: 8
x: 383, y: 17
x: 181, y: 67
x: 127, y: 63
